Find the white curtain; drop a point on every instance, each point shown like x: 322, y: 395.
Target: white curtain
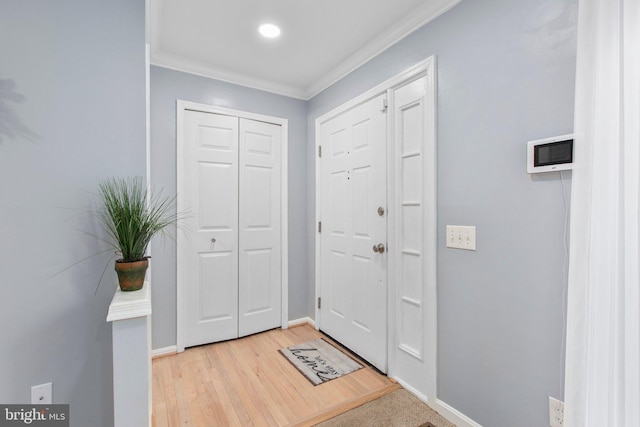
x: 602, y: 382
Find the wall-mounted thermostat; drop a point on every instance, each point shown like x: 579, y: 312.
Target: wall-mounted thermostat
x: 550, y: 154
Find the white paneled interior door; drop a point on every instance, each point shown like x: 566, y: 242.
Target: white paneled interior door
x: 229, y: 261
x: 260, y: 234
x: 210, y: 248
x: 353, y: 238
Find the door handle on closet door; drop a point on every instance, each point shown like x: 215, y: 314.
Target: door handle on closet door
x: 379, y: 248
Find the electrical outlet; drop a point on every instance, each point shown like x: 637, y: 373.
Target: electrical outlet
x: 556, y: 412
x: 461, y: 237
x: 42, y: 394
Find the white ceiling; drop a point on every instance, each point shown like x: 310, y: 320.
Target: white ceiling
x: 321, y: 41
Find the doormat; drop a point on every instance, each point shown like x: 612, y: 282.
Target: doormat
x: 319, y: 361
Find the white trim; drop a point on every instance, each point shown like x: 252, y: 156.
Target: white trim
x: 411, y: 73
x: 164, y: 351
x: 418, y: 18
x: 181, y: 107
x: 452, y: 414
x: 400, y: 79
x: 448, y: 412
x: 185, y: 65
x: 284, y: 223
x: 391, y: 236
x: 318, y: 217
x: 207, y: 108
x: 302, y: 321
x: 129, y: 305
x: 180, y: 110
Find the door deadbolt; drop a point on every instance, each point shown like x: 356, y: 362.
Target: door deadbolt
x: 379, y: 248
x: 380, y: 211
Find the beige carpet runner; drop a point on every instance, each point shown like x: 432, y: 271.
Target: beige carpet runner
x: 397, y: 409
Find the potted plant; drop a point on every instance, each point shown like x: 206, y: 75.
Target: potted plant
x: 132, y: 218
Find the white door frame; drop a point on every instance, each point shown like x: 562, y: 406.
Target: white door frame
x: 425, y: 67
x: 183, y: 106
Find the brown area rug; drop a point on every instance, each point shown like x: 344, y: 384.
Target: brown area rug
x: 397, y: 409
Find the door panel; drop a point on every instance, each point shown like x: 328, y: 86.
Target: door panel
x: 214, y: 305
x: 353, y: 185
x: 260, y: 231
x: 211, y: 248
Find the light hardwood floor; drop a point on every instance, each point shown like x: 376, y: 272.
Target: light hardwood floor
x: 247, y: 382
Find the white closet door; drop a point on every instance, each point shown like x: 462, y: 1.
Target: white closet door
x: 260, y: 231
x: 209, y: 252
x: 353, y: 270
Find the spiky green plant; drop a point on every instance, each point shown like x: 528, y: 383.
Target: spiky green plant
x: 132, y: 218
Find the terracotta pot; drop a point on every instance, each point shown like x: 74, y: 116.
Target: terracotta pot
x: 131, y: 274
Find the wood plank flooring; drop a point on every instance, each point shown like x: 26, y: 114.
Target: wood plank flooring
x: 247, y: 382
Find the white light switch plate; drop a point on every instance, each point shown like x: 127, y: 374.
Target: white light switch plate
x: 461, y: 237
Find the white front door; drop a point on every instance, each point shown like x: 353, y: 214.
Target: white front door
x: 230, y: 257
x: 353, y: 235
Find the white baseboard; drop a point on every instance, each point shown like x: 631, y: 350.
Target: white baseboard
x: 411, y: 390
x: 448, y: 412
x: 302, y: 321
x: 452, y: 414
x: 164, y: 351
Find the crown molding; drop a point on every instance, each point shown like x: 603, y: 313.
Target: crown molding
x: 178, y: 63
x: 424, y: 14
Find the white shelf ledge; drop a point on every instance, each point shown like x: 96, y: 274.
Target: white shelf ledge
x: 129, y: 305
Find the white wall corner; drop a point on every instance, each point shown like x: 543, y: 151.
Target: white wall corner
x: 452, y: 414
x: 302, y: 321
x: 448, y: 412
x: 164, y: 351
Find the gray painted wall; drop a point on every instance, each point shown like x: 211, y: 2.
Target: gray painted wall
x: 166, y: 87
x: 72, y: 112
x: 505, y: 76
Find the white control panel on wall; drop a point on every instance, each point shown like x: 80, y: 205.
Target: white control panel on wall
x: 461, y: 237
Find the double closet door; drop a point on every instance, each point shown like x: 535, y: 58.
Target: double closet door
x: 230, y: 250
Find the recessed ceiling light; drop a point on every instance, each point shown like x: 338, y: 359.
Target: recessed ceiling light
x: 269, y: 31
